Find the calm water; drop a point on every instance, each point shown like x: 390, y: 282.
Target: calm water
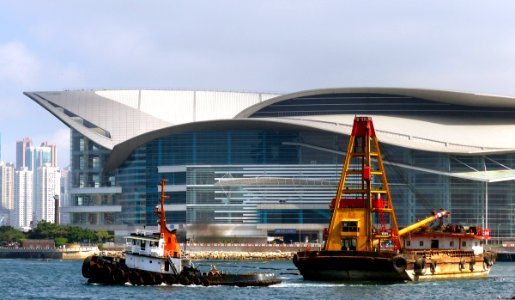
x: 54, y: 279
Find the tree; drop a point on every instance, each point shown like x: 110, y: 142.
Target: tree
x: 60, y: 241
x: 10, y: 235
x: 102, y: 235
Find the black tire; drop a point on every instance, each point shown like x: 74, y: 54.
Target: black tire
x: 196, y: 281
x: 419, y: 267
x: 147, y: 277
x: 184, y: 280
x: 86, y: 267
x: 432, y: 266
x: 120, y: 277
x: 158, y: 278
x: 399, y: 263
x: 486, y: 263
x: 462, y: 265
x: 135, y: 278
x: 96, y: 273
x: 205, y: 282
x: 472, y: 264
x: 170, y: 279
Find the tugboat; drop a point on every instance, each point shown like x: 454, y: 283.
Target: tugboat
x: 363, y: 241
x: 153, y: 258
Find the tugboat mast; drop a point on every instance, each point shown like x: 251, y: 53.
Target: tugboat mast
x: 171, y: 246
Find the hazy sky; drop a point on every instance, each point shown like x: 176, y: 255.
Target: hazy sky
x: 270, y: 46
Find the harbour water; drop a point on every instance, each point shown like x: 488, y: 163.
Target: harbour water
x: 59, y: 279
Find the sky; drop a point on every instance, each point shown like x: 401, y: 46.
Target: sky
x: 274, y: 46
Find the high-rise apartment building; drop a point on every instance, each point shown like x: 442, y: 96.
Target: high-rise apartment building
x: 23, y: 189
x: 21, y: 150
x: 47, y: 187
x: 53, y: 153
x: 33, y: 158
x: 6, y: 191
x: 64, y: 199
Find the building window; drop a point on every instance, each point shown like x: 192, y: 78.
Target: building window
x: 408, y: 243
x: 350, y: 226
x: 421, y: 243
x: 451, y: 243
x: 464, y: 244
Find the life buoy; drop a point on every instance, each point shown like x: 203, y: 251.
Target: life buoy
x: 432, y: 266
x: 420, y: 266
x: 399, y: 263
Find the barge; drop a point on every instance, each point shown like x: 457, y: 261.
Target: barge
x: 363, y: 241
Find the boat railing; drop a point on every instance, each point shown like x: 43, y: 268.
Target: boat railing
x: 449, y: 252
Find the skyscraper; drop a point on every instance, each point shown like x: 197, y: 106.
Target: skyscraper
x: 48, y: 184
x: 21, y: 150
x: 53, y: 153
x: 6, y: 191
x: 37, y: 160
x: 23, y: 183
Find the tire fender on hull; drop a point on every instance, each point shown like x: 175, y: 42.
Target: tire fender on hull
x: 399, y: 263
x: 419, y: 267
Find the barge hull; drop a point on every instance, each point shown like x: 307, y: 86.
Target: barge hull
x: 370, y: 266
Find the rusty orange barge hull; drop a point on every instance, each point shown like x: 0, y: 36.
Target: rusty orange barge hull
x: 386, y: 267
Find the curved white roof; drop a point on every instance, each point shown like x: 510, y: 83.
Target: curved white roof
x: 110, y: 117
x: 129, y: 117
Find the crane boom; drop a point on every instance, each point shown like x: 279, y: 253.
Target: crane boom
x: 424, y: 222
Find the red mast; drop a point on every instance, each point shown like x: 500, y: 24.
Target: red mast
x: 171, y: 246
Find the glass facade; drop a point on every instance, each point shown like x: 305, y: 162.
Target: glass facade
x: 86, y: 178
x: 268, y: 176
x: 380, y: 104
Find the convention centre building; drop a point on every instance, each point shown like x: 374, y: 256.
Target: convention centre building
x: 242, y: 167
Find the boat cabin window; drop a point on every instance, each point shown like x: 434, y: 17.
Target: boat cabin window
x: 435, y: 244
x: 464, y: 244
x: 134, y: 242
x: 408, y: 243
x: 350, y: 226
x: 142, y: 245
x: 451, y: 244
x: 349, y: 244
x: 421, y: 243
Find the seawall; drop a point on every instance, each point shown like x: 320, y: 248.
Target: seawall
x: 48, y: 253
x: 196, y: 251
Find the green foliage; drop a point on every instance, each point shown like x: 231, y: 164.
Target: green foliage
x: 103, y: 235
x: 9, y: 234
x: 60, y: 241
x: 61, y: 234
x: 73, y: 234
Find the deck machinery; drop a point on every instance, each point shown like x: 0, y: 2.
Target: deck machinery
x: 363, y: 241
